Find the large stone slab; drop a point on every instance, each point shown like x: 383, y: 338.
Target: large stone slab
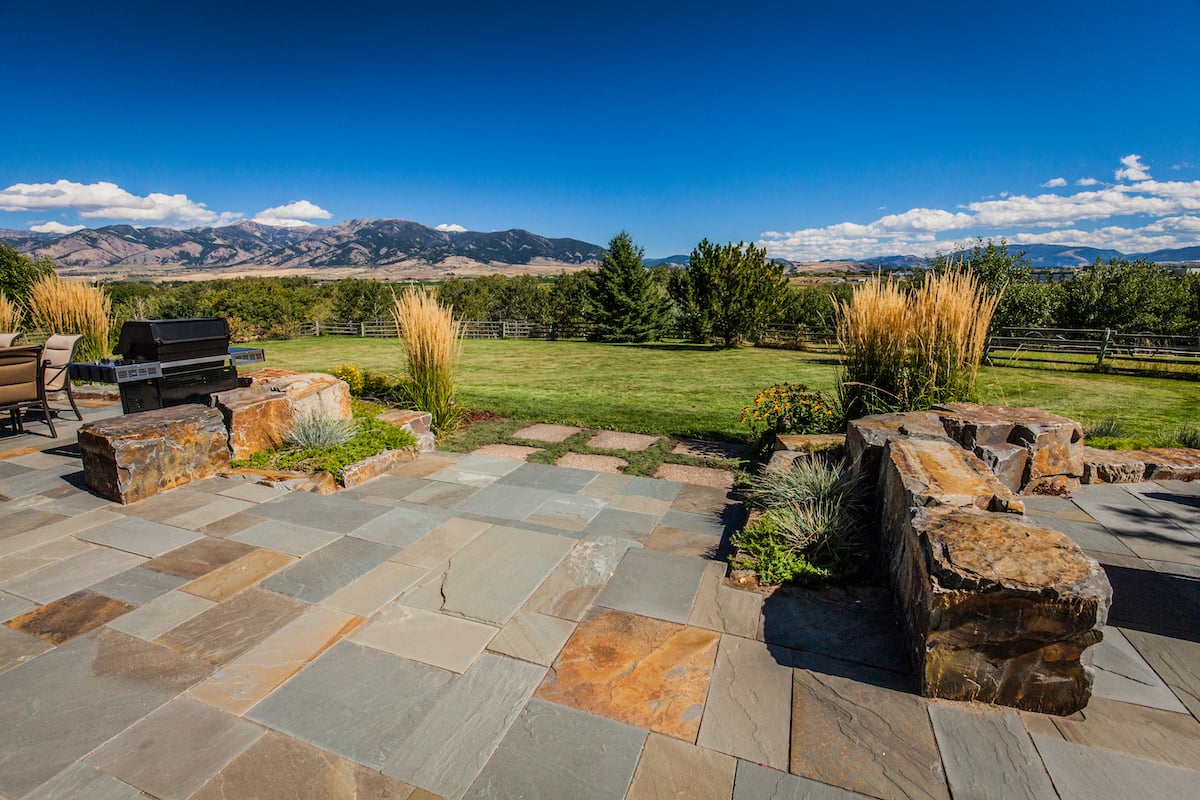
x: 748, y: 713
x: 309, y: 392
x: 1170, y: 463
x: 1112, y: 466
x: 864, y: 738
x: 1054, y: 444
x: 148, y: 754
x: 136, y: 456
x: 257, y: 419
x: 918, y: 473
x: 552, y: 751
x: 866, y: 438
x: 100, y: 684
x: 988, y: 754
x: 426, y: 636
x: 643, y: 671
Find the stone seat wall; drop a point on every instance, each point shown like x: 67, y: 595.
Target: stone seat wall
x: 997, y: 609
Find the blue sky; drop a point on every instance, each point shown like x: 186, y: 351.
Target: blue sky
x: 825, y: 130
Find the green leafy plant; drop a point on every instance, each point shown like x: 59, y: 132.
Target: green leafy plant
x: 766, y: 551
x: 1188, y: 435
x: 370, y: 437
x: 792, y: 408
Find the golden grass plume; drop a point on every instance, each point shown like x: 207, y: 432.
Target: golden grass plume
x: 58, y: 306
x: 432, y: 341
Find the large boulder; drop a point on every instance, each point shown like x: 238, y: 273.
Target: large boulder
x: 866, y: 438
x: 135, y: 456
x: 418, y: 423
x: 1164, y: 463
x: 1000, y: 610
x: 257, y: 419
x: 310, y: 392
x: 1112, y: 466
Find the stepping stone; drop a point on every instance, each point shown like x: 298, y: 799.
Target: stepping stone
x: 699, y: 448
x: 552, y: 751
x: 70, y: 616
x: 100, y: 685
x: 148, y: 754
x: 864, y: 738
x: 702, y: 476
x: 616, y: 440
x: 638, y: 670
x: 547, y: 433
x: 671, y: 768
x: 297, y: 771
x: 517, y: 452
x: 607, y: 464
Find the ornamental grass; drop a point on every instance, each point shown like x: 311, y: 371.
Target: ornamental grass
x: 433, y: 344
x: 10, y: 315
x: 905, y: 350
x: 58, y: 306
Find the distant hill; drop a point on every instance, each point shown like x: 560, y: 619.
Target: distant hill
x: 354, y: 243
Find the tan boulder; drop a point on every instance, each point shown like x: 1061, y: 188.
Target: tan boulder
x: 866, y: 437
x: 257, y: 419
x: 310, y: 392
x: 135, y: 456
x: 374, y: 466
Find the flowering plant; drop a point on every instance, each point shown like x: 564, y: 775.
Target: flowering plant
x: 791, y: 408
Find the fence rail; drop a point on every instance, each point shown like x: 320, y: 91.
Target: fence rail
x: 1104, y: 344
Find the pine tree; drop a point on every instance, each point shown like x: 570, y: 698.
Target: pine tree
x: 731, y: 292
x: 629, y: 307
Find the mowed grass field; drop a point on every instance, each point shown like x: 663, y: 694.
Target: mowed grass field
x: 691, y: 390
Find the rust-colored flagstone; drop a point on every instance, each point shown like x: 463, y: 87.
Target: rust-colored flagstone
x: 228, y: 580
x: 70, y: 616
x: 635, y: 669
x: 199, y: 557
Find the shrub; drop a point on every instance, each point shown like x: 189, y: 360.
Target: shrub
x: 378, y: 384
x: 772, y: 557
x: 792, y: 408
x: 10, y: 315
x: 56, y: 306
x: 314, y: 430
x: 371, y: 437
x: 903, y: 351
x: 433, y: 343
x: 352, y: 375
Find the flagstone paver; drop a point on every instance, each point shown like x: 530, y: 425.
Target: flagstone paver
x: 622, y: 524
x: 91, y: 689
x: 446, y: 749
x: 16, y: 648
x: 606, y: 485
x: 864, y: 738
x: 723, y: 608
x: 987, y: 753
x: 277, y: 767
x: 402, y: 525
x: 570, y: 589
x: 228, y: 629
x: 1176, y: 661
x: 543, y: 476
x: 755, y: 782
x: 1135, y: 730
x: 284, y: 537
x: 199, y: 557
x: 376, y: 589
x: 641, y: 505
x: 333, y: 513
x: 643, y: 671
x: 494, y: 574
x: 41, y: 556
x: 138, y: 585
x: 253, y: 492
x: 148, y: 755
x: 652, y: 487
x: 552, y: 751
x: 618, y: 440
x: 748, y: 713
x: 440, y: 495
x: 865, y: 630
x: 666, y: 539
x: 217, y: 509
x: 70, y: 616
x: 1122, y: 674
x: 1086, y: 773
x: 82, y: 780
x: 226, y: 581
x: 426, y: 636
x: 336, y: 703
x: 250, y: 677
x: 705, y: 449
x: 160, y: 615
x: 439, y: 544
x: 654, y: 584
x: 322, y: 572
x: 517, y: 452
x: 511, y: 503
x: 543, y: 432
x: 566, y: 512
x: 62, y: 578
x: 11, y: 606
x: 701, y: 476
x: 533, y: 637
x: 476, y: 470
x: 670, y: 768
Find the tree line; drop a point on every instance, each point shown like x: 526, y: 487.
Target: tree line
x: 728, y: 294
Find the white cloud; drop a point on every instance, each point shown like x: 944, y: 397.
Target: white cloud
x: 104, y: 200
x: 291, y: 215
x: 55, y: 227
x: 1054, y: 183
x: 1133, y: 169
x: 1170, y: 208
x: 450, y: 227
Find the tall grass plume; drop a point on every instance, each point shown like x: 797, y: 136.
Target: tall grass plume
x: 58, y: 306
x: 905, y: 350
x: 10, y: 315
x: 433, y: 343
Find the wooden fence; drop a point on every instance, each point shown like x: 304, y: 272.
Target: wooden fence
x: 1083, y: 345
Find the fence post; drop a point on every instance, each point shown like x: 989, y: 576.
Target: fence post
x: 1103, y: 347
x: 317, y: 328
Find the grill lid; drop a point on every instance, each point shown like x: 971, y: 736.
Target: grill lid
x: 173, y: 339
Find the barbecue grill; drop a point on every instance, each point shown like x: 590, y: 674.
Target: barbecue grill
x: 169, y: 362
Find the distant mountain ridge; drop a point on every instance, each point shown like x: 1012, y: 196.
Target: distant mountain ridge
x: 380, y: 242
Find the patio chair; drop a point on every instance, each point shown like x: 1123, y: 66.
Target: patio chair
x: 21, y: 371
x: 7, y: 339
x: 58, y: 352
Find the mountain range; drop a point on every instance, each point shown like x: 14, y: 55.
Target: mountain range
x: 396, y: 246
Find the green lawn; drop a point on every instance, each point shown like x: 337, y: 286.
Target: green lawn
x: 698, y: 391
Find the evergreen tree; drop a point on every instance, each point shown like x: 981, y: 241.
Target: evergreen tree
x: 628, y: 306
x: 730, y: 292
